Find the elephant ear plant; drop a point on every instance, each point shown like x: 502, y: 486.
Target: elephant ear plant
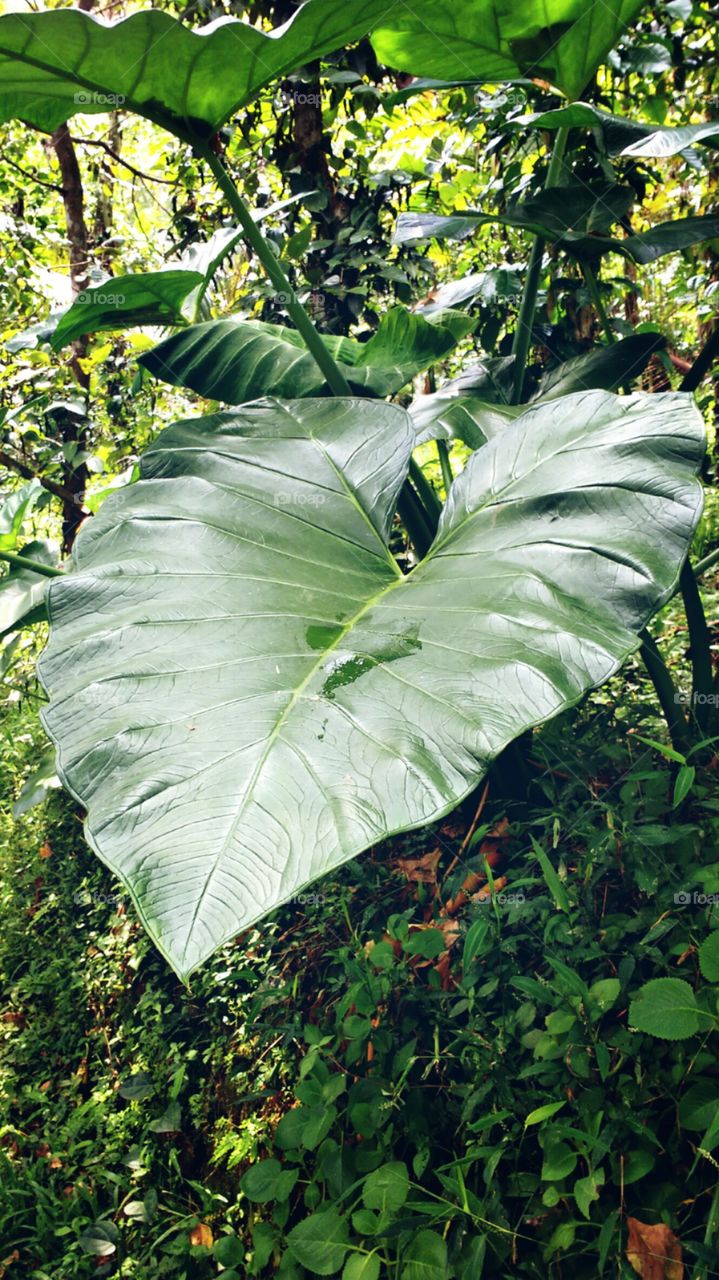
x: 246, y: 690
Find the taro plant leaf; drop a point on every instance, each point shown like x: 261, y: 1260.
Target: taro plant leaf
x: 570, y: 216
x: 120, y: 302
x: 563, y: 41
x: 669, y: 237
x: 246, y: 692
x: 22, y: 592
x: 14, y: 511
x: 154, y: 298
x: 604, y: 368
x: 239, y: 360
x: 472, y: 407
x: 61, y: 62
x: 497, y: 284
x: 626, y: 137
x: 556, y: 217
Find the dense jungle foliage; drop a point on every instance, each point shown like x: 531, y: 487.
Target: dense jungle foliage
x: 359, y: 610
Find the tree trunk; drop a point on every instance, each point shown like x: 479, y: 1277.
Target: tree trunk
x: 71, y: 430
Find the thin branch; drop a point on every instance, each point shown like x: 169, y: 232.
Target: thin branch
x: 146, y: 177
x: 16, y: 464
x: 51, y: 186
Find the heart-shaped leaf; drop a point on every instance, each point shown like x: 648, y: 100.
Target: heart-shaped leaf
x: 563, y: 41
x: 239, y: 360
x: 246, y: 692
x: 61, y: 62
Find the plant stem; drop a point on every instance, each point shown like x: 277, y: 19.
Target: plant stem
x: 34, y: 566
x: 415, y: 520
x: 419, y: 522
x: 525, y: 320
x: 445, y: 464
x: 595, y: 294
x: 703, y: 363
x: 428, y: 497
x: 700, y: 645
x: 666, y: 692
x: 334, y: 377
x: 702, y: 565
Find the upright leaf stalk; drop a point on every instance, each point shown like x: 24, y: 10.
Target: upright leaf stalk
x: 525, y: 320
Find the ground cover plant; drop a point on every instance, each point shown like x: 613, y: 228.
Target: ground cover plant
x: 359, y: 555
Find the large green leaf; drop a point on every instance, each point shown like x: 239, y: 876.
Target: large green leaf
x: 61, y: 62
x: 627, y: 137
x: 246, y: 692
x: 563, y: 41
x: 168, y: 297
x: 579, y: 240
x: 604, y: 368
x: 22, y: 592
x: 239, y: 360
x: 472, y: 407
x: 155, y: 297
x: 571, y: 216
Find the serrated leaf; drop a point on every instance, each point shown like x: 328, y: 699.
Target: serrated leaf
x: 361, y: 1266
x: 709, y: 957
x: 245, y: 689
x: 267, y: 1180
x: 666, y: 1008
x: 425, y: 1257
x: 386, y: 1188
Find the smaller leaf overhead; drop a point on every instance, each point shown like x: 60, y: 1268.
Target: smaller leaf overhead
x: 123, y: 301
x: 573, y: 217
x: 627, y: 137
x: 563, y: 41
x: 580, y: 238
x: 245, y: 690
x: 238, y: 360
x: 62, y: 62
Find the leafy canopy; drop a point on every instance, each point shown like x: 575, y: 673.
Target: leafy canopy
x: 246, y: 692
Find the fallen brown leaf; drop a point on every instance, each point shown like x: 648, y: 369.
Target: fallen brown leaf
x: 420, y: 870
x: 654, y: 1251
x: 45, y: 850
x: 201, y: 1234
